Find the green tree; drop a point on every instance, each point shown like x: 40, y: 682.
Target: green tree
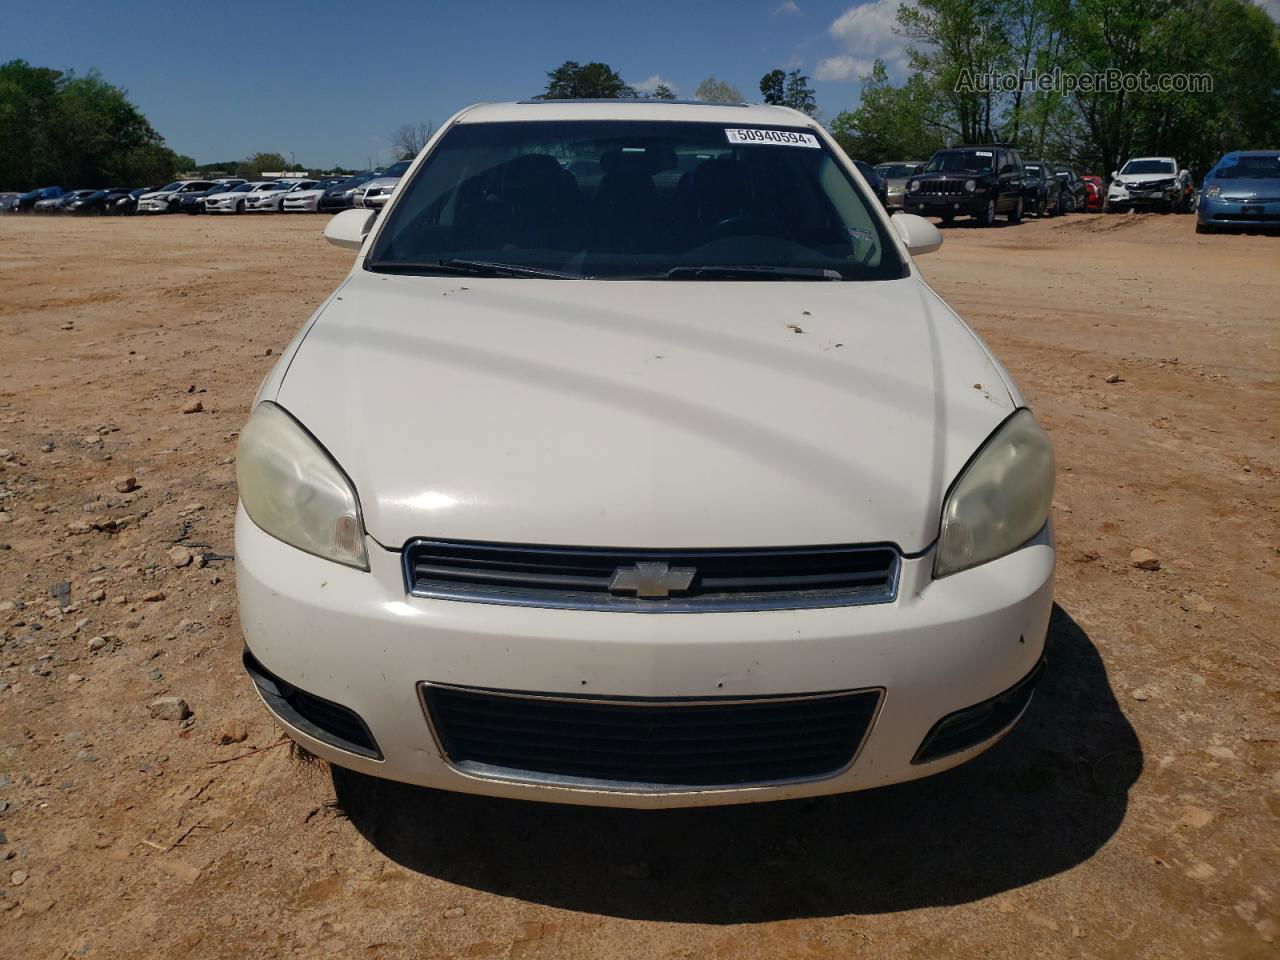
x: 957, y: 39
x: 712, y: 90
x: 73, y: 130
x: 892, y: 123
x: 28, y: 98
x: 593, y: 81
x: 662, y: 92
x: 773, y: 87
x: 800, y: 95
x: 254, y: 165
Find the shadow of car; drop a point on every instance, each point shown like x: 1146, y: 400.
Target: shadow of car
x: 1041, y: 802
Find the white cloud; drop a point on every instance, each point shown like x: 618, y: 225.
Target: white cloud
x: 650, y: 85
x: 786, y: 7
x: 1272, y: 7
x: 866, y: 33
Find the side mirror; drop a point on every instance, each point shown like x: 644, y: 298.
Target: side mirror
x: 349, y: 228
x: 1184, y: 174
x: 917, y: 233
x: 1114, y: 174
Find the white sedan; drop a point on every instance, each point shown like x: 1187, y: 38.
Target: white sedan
x: 167, y: 198
x: 308, y: 200
x: 235, y: 199
x: 269, y: 199
x: 634, y: 463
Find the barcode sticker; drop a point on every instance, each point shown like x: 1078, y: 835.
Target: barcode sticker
x: 783, y: 138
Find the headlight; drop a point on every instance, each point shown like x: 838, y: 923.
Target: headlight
x: 913, y: 186
x: 292, y: 489
x: 1213, y: 191
x: 971, y: 185
x: 1001, y: 500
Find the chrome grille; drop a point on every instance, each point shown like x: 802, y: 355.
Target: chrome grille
x: 652, y: 581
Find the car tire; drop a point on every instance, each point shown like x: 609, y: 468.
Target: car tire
x: 1015, y: 215
x: 988, y: 217
x: 1203, y: 228
x: 948, y: 217
x: 239, y: 206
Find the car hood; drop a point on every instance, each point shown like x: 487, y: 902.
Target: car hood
x: 304, y: 194
x: 1128, y: 178
x: 1247, y: 188
x: 382, y: 182
x: 632, y: 413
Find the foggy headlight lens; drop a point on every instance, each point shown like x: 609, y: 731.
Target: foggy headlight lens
x: 971, y: 185
x: 1213, y: 191
x: 292, y: 489
x: 1001, y: 500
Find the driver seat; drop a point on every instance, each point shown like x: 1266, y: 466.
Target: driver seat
x: 719, y: 190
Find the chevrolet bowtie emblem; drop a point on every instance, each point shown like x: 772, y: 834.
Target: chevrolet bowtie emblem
x: 653, y: 580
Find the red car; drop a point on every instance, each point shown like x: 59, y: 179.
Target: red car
x: 1096, y: 191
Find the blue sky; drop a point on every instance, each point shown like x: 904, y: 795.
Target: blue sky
x: 329, y: 81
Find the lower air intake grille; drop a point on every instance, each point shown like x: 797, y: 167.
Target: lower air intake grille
x: 638, y: 745
x: 328, y: 722
x: 652, y: 581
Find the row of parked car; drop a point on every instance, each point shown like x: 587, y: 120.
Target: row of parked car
x: 991, y: 180
x: 369, y: 189
x: 1242, y: 190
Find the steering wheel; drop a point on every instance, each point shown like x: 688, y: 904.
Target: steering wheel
x: 739, y: 225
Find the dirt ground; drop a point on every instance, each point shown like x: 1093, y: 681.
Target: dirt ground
x: 1135, y: 813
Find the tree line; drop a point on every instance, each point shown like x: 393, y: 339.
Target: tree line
x: 76, y: 130
x: 953, y: 42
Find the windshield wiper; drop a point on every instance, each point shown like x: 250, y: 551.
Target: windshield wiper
x: 753, y: 272
x: 470, y: 268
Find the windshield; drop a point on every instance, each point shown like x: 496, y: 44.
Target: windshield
x: 176, y: 185
x: 396, y: 169
x: 1249, y: 168
x: 962, y: 161
x: 627, y: 199
x: 888, y: 170
x: 355, y: 181
x: 1147, y: 166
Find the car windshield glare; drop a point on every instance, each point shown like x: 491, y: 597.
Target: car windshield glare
x: 1249, y: 168
x: 896, y: 170
x: 962, y: 161
x: 1147, y: 166
x: 634, y: 200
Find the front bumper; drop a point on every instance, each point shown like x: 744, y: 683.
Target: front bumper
x: 937, y: 205
x: 309, y: 205
x: 1222, y: 212
x: 358, y: 640
x: 1142, y: 198
x: 328, y: 203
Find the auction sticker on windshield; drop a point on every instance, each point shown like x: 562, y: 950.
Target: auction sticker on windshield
x: 786, y: 138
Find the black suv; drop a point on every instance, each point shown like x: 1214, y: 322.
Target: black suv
x: 983, y: 182
x: 1042, y: 190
